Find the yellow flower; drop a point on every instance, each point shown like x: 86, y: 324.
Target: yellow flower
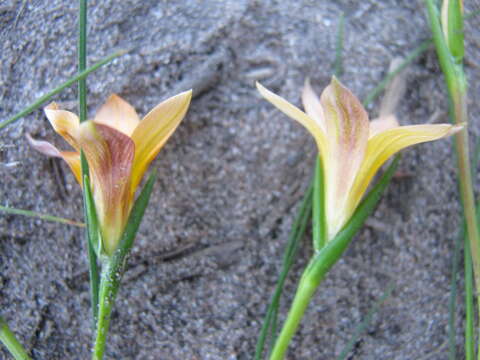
x: 118, y: 148
x: 351, y: 148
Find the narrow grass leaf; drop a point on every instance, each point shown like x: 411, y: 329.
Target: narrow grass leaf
x: 40, y: 101
x: 469, y: 304
x: 7, y: 337
x: 386, y: 80
x: 452, y: 329
x: 362, y: 326
x: 296, y: 234
x: 319, y: 222
x: 134, y: 220
x: 332, y: 251
x: 94, y: 234
x: 34, y: 214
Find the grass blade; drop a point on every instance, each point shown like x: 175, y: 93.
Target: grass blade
x: 469, y: 304
x: 60, y: 88
x: 365, y: 323
x: 296, y: 234
x: 453, y: 296
x: 92, y: 232
x: 114, y: 267
x: 386, y: 80
x: 7, y: 337
x: 47, y: 217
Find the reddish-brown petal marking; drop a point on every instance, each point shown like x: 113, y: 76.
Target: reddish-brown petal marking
x: 110, y: 155
x: 348, y: 141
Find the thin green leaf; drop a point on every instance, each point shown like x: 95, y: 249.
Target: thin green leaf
x: 362, y: 326
x: 94, y: 234
x: 7, y: 337
x: 469, y: 303
x: 82, y: 59
x: 319, y: 222
x: 47, y: 217
x: 134, y: 220
x: 452, y: 329
x: 386, y: 80
x: 296, y: 234
x: 58, y: 89
x: 331, y: 252
x: 114, y: 267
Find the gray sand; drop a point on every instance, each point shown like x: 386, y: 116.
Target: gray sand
x: 230, y: 180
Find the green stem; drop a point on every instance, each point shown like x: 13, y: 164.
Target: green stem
x: 296, y: 233
x: 324, y: 259
x: 305, y: 291
x: 59, y: 89
x: 113, y: 268
x: 7, y: 337
x: 452, y: 69
x: 318, y: 219
x: 108, y: 290
x: 82, y: 59
x: 469, y: 312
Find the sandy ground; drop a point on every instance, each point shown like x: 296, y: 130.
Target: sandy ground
x: 230, y: 179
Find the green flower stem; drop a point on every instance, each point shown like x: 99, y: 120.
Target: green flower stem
x: 113, y: 267
x: 324, y: 259
x: 450, y: 56
x: 296, y: 233
x: 318, y: 219
x: 306, y: 288
x: 109, y: 284
x: 469, y: 307
x: 60, y: 88
x: 82, y: 59
x: 7, y: 337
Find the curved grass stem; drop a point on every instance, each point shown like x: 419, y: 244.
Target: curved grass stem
x: 7, y: 337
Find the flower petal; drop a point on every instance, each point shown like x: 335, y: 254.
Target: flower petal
x: 347, y: 129
x: 71, y: 158
x: 65, y: 123
x: 110, y: 155
x: 387, y: 143
x: 118, y: 114
x: 154, y: 130
x: 295, y: 113
x: 382, y: 124
x: 312, y: 105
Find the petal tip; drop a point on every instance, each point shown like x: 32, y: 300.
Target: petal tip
x: 43, y: 147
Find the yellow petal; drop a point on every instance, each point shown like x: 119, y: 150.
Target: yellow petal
x: 71, y: 158
x: 312, y: 105
x: 382, y: 124
x: 386, y: 144
x: 109, y: 154
x: 118, y: 114
x: 154, y: 130
x: 347, y: 129
x: 64, y: 123
x: 295, y: 113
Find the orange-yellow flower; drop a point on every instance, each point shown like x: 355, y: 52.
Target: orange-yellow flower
x: 351, y: 148
x: 118, y: 148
